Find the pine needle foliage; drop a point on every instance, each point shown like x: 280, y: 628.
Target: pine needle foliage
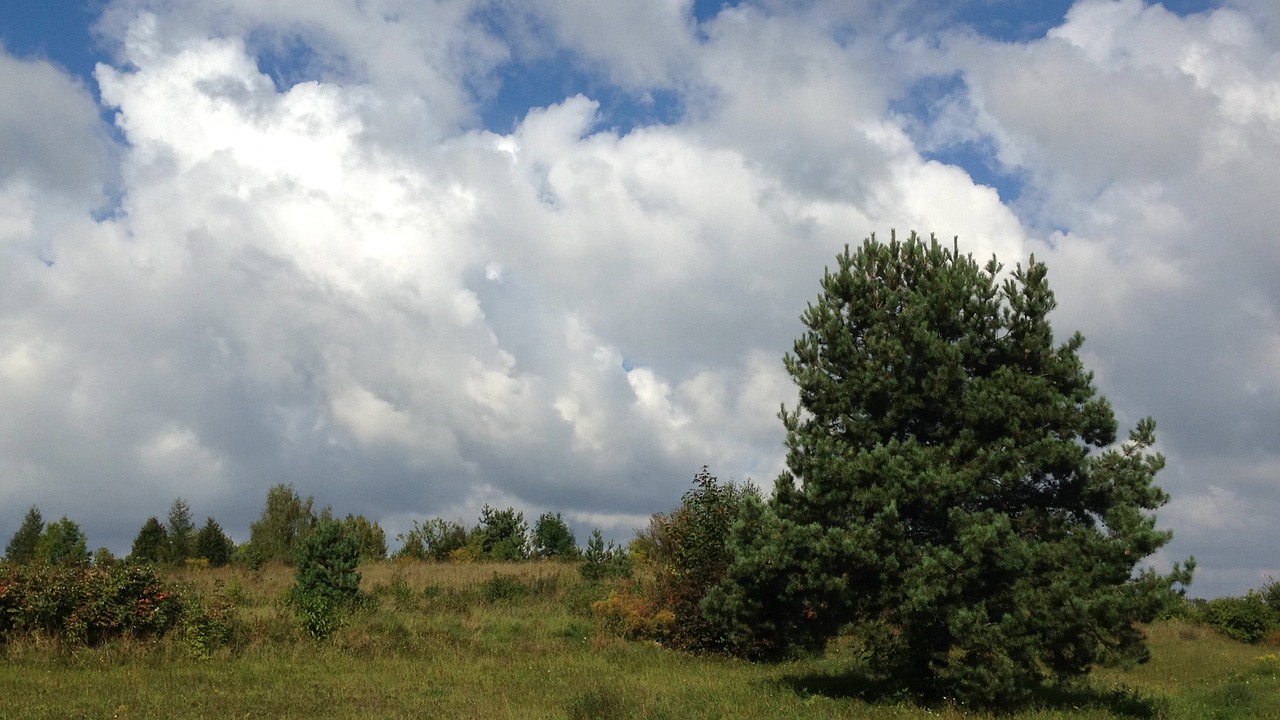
x: 954, y: 488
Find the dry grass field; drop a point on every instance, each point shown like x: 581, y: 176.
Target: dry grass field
x: 521, y: 641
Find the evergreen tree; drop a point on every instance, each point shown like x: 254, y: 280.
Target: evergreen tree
x: 63, y: 543
x: 601, y: 561
x: 285, y: 521
x: 213, y: 545
x: 152, y: 543
x: 552, y: 538
x: 326, y: 564
x: 503, y: 534
x: 952, y: 486
x: 22, y: 546
x: 181, y: 532
x: 327, y: 582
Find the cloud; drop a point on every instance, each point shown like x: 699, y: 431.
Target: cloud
x: 322, y: 270
x: 1151, y: 138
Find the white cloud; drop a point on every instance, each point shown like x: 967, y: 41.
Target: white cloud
x: 336, y: 280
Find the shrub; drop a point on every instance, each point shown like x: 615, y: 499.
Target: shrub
x: 503, y: 535
x: 1247, y: 619
x: 207, y: 624
x: 1271, y: 594
x: 503, y: 588
x: 688, y: 551
x: 633, y: 616
x: 434, y: 539
x: 86, y: 605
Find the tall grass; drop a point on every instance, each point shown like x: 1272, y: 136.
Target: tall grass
x: 520, y: 641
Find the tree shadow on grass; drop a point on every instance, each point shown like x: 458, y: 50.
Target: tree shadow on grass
x: 856, y: 685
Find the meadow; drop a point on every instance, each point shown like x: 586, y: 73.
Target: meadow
x: 488, y: 640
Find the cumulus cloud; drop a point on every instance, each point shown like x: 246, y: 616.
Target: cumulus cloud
x: 322, y: 270
x: 1152, y: 139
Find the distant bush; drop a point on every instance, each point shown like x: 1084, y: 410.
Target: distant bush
x: 1247, y: 619
x: 503, y: 588
x: 552, y: 538
x: 1271, y: 594
x: 503, y: 535
x: 91, y: 605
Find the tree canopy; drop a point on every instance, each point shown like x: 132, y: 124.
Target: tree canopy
x: 285, y: 521
x: 63, y: 543
x: 552, y: 538
x: 212, y: 544
x: 151, y: 544
x: 953, y: 486
x: 22, y: 546
x: 181, y: 532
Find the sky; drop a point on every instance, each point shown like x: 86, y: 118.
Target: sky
x: 418, y: 257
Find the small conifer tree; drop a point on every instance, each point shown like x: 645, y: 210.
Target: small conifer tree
x: 22, y: 546
x: 326, y: 581
x: 151, y: 544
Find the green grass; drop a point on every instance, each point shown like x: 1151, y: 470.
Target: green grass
x: 449, y: 641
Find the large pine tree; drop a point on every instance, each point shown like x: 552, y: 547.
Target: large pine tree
x: 953, y: 487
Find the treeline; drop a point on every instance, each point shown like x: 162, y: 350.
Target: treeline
x: 287, y: 519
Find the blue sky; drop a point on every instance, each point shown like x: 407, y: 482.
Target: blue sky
x: 550, y: 254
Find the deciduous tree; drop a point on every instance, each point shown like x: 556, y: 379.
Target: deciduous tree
x: 285, y: 521
x: 63, y: 543
x: 370, y: 537
x: 552, y: 538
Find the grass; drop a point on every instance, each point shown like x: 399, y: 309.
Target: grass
x: 517, y: 641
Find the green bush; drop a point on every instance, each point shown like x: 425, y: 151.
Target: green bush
x: 1271, y: 594
x: 503, y: 588
x: 208, y: 623
x: 503, y: 535
x: 552, y: 538
x: 86, y: 605
x: 1247, y: 619
x: 434, y: 539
